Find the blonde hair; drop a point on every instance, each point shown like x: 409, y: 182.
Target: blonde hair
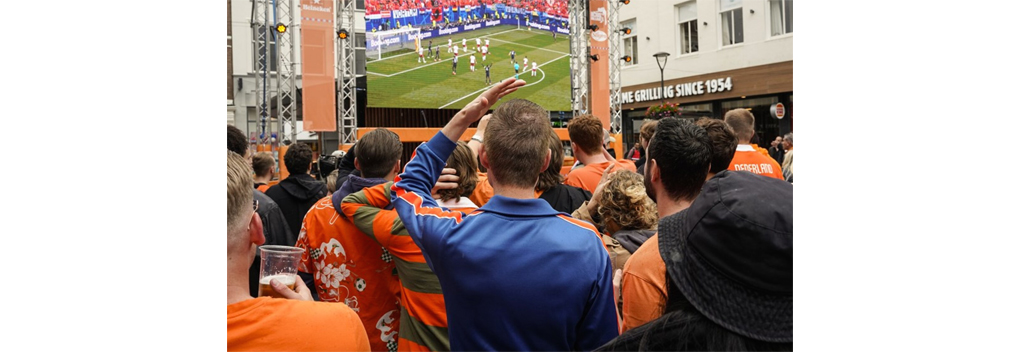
x: 624, y: 201
x: 239, y: 194
x: 331, y: 181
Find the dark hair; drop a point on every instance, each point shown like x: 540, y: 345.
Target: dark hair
x: 236, y: 142
x: 298, y: 158
x: 742, y: 123
x: 263, y: 163
x: 463, y: 160
x: 683, y: 152
x: 515, y: 156
x: 586, y: 133
x: 378, y: 151
x: 552, y: 177
x: 724, y: 142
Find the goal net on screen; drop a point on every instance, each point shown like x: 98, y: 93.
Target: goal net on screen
x: 382, y: 42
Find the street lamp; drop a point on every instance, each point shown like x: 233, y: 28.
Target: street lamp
x: 660, y: 58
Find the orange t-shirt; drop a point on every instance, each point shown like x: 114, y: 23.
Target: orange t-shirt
x: 262, y: 188
x: 483, y: 190
x: 350, y: 267
x: 748, y: 159
x: 588, y: 176
x: 274, y: 324
x: 644, y: 285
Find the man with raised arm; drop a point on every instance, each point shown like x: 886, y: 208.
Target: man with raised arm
x: 516, y: 274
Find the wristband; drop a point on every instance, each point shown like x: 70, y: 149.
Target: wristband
x: 477, y: 138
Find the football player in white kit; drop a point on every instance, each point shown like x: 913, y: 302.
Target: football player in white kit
x: 534, y: 66
x: 421, y: 54
x: 478, y: 44
x: 525, y: 61
x: 472, y: 62
x: 485, y: 52
x: 463, y: 42
x: 449, y: 45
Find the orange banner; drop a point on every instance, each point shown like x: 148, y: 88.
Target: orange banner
x: 318, y: 92
x: 599, y: 44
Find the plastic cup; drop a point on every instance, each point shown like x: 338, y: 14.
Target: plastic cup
x: 279, y: 263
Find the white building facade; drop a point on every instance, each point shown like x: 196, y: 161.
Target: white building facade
x: 723, y: 55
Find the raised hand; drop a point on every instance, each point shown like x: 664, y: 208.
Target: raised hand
x: 478, y: 107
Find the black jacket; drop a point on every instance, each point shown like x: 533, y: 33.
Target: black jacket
x: 274, y: 227
x: 295, y: 195
x: 777, y: 154
x: 632, y: 239
x: 565, y: 198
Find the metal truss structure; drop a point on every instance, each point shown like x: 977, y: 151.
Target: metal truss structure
x: 346, y: 96
x: 286, y: 81
x: 260, y: 28
x: 266, y: 14
x: 579, y: 51
x: 615, y: 115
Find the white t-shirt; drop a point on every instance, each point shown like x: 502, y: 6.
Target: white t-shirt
x: 534, y: 65
x: 455, y: 50
x: 472, y: 59
x: 486, y: 42
x: 478, y: 41
x: 485, y: 50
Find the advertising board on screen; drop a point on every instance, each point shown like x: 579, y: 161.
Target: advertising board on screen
x: 440, y: 54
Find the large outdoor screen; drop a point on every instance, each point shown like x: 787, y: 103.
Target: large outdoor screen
x: 420, y: 53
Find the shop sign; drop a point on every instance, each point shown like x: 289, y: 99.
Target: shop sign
x: 687, y: 89
x: 778, y: 110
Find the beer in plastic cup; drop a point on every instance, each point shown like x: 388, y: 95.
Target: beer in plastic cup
x: 279, y: 263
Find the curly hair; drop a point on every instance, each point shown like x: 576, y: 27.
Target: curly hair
x: 623, y: 200
x: 463, y: 160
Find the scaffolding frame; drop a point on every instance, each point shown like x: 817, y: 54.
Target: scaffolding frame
x: 615, y: 104
x: 286, y: 81
x: 260, y: 29
x: 346, y: 96
x: 579, y: 52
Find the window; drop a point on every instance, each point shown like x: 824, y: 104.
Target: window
x: 781, y: 16
x: 732, y: 21
x: 687, y: 21
x: 630, y: 42
x: 272, y: 50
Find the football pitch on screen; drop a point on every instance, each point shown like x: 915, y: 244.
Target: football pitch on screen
x: 400, y: 80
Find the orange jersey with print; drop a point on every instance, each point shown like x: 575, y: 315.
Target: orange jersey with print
x: 274, y: 324
x: 588, y: 176
x: 351, y: 268
x: 644, y: 285
x: 747, y: 159
x: 423, y: 322
x: 263, y: 188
